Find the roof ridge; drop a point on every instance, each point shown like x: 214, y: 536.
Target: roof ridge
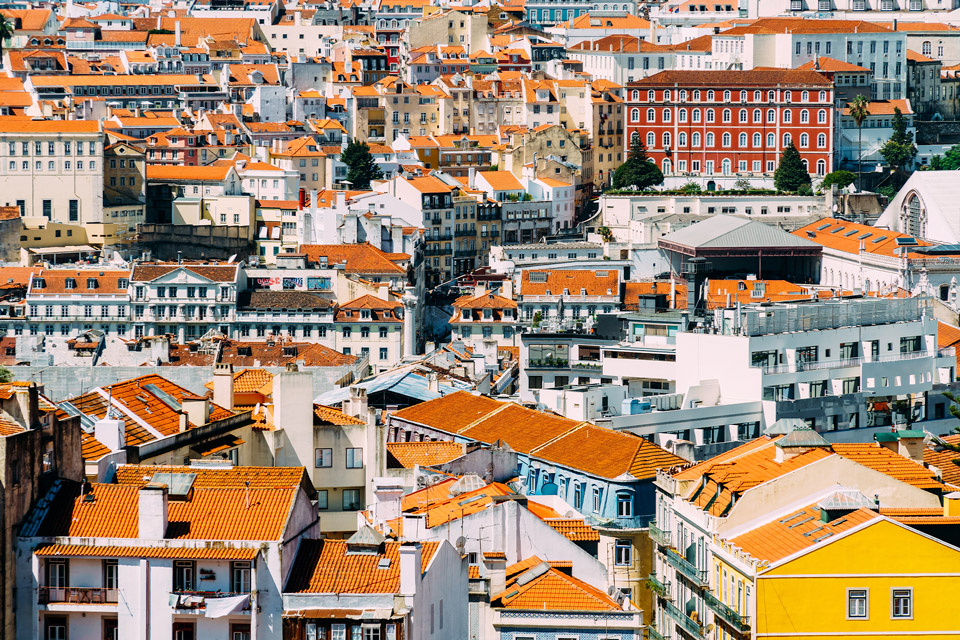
x: 502, y: 407
x: 573, y: 429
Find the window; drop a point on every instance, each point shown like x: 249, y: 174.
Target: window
x: 597, y: 499
x: 240, y: 577
x: 324, y: 458
x: 577, y: 495
x: 624, y: 505
x: 351, y: 500
x: 183, y: 572
x: 623, y: 553
x: 857, y: 603
x: 902, y: 603
x: 354, y: 458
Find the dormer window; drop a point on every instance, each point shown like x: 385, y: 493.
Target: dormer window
x: 566, y: 292
x: 39, y: 283
x: 123, y: 283
x: 583, y: 291
x: 91, y: 283
x: 70, y: 283
x: 487, y: 314
x: 465, y: 314
x: 365, y: 314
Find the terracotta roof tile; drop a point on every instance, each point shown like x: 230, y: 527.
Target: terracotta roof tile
x: 138, y: 475
x: 552, y: 591
x: 326, y: 566
x: 409, y: 454
x: 215, y: 273
x: 179, y: 553
x: 945, y: 460
x: 890, y: 463
x: 418, y: 500
x: 358, y: 258
x: 605, y: 282
x: 329, y: 415
x: 209, y: 514
x: 573, y: 529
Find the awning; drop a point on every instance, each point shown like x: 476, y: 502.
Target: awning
x: 79, y: 248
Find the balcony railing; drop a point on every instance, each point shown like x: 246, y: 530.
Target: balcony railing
x: 850, y: 362
x: 741, y: 623
x: 659, y: 587
x: 686, y: 567
x: 653, y: 634
x: 197, y: 600
x: 548, y: 364
x: 76, y: 595
x: 660, y: 536
x: 688, y: 623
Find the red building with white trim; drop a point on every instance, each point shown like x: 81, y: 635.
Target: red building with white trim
x: 715, y: 127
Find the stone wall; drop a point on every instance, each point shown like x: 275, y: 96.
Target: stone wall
x: 198, y: 242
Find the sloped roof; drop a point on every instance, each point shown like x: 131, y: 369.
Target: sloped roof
x: 358, y: 258
x: 327, y: 566
x: 139, y: 475
x: 727, y: 231
x: 546, y: 588
x: 410, y: 454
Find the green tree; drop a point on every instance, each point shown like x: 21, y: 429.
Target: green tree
x: 6, y: 32
x: 840, y: 178
x: 637, y: 171
x: 950, y: 161
x: 361, y: 168
x: 791, y: 174
x: 899, y: 150
x: 955, y: 412
x: 5, y: 375
x: 692, y: 188
x: 742, y: 184
x: 859, y: 111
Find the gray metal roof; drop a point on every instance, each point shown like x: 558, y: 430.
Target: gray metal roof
x: 802, y: 437
x: 728, y: 231
x: 783, y: 426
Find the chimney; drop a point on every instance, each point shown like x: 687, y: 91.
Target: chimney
x: 184, y: 422
x: 223, y: 385
x: 410, y: 568
x: 152, y: 511
x: 433, y: 382
x: 110, y: 433
x: 33, y: 406
x: 387, y: 493
x: 383, y: 292
x: 495, y: 565
x: 951, y: 504
x: 176, y: 33
x: 293, y: 408
x: 197, y: 410
x: 472, y: 181
x: 160, y: 349
x: 356, y: 405
x: 478, y: 290
x: 506, y: 289
x: 684, y: 449
x: 911, y: 445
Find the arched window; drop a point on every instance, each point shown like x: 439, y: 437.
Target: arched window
x: 695, y: 139
x: 726, y: 139
x: 926, y: 48
x: 634, y: 137
x: 771, y: 140
x: 788, y: 96
x: 805, y: 96
x: 683, y: 96
x: 756, y: 96
x: 743, y: 96
x: 635, y: 95
x: 804, y: 116
x: 666, y: 139
x: 726, y: 114
x: 823, y: 96
x: 944, y: 292
x: 710, y: 140
x: 804, y: 140
x: 743, y: 115
x: 757, y: 139
x: 682, y: 115
x: 695, y: 115
x: 696, y: 95
x: 940, y: 49
x: 743, y: 140
x: 822, y: 140
x: 651, y: 96
x: 635, y: 115
x: 806, y: 165
x: 682, y: 139
x: 666, y: 166
x: 726, y: 96
x: 771, y: 116
x: 821, y: 167
x: 666, y: 95
x: 822, y: 116
x: 667, y: 113
x: 726, y: 166
x: 651, y: 140
x: 651, y: 115
x: 709, y: 115
x: 710, y: 96
x: 757, y: 116
x: 771, y: 96
x: 787, y: 116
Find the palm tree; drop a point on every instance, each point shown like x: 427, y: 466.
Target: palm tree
x: 859, y: 113
x: 6, y: 32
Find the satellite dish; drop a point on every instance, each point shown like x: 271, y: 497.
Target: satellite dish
x: 610, y: 590
x: 461, y: 545
x: 231, y: 258
x: 708, y: 629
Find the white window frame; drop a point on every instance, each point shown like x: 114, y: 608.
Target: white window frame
x: 893, y: 590
x: 866, y: 606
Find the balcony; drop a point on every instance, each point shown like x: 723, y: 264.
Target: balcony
x: 548, y: 364
x: 659, y: 536
x: 686, y: 567
x: 466, y: 233
x: 653, y: 634
x: 659, y: 587
x: 731, y: 617
x: 692, y: 626
x: 197, y: 600
x: 816, y: 365
x: 76, y: 595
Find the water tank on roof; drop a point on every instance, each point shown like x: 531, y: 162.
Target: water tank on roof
x: 635, y: 406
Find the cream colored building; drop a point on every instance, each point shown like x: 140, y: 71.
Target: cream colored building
x: 52, y: 169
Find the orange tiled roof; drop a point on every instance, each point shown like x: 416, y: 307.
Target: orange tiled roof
x: 359, y: 258
x: 329, y: 415
x: 573, y: 529
x: 179, y: 553
x: 409, y: 454
x: 209, y: 514
x: 633, y: 290
x: 945, y: 460
x: 326, y: 566
x: 797, y: 531
x: 552, y: 591
x: 417, y: 500
x: 259, y: 477
x: 891, y: 463
x: 90, y: 448
x: 596, y: 282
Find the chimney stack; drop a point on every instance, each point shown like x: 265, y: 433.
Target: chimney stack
x: 223, y: 385
x: 357, y: 404
x: 176, y: 33
x: 110, y: 433
x: 197, y: 410
x: 496, y: 571
x: 152, y: 507
x: 410, y: 568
